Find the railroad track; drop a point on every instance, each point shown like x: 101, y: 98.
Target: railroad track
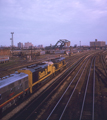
x: 61, y: 107
x: 87, y: 110
x: 41, y: 85
x: 36, y: 103
x: 103, y: 64
x: 34, y: 111
x: 66, y: 112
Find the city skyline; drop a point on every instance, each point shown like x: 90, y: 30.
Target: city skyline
x: 21, y: 45
x: 45, y: 22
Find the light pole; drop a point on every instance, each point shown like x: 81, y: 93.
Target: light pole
x: 12, y: 41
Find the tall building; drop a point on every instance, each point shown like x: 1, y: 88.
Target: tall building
x: 20, y: 45
x: 40, y: 46
x: 97, y: 43
x: 28, y: 45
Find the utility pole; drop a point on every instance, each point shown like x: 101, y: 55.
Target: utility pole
x: 12, y: 41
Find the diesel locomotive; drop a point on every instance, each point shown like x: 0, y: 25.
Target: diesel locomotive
x: 25, y: 81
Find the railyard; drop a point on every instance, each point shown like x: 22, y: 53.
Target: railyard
x: 79, y: 92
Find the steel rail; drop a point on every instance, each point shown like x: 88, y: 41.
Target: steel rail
x: 73, y: 92
x: 86, y: 90
x: 55, y: 87
x: 64, y: 93
x: 102, y: 61
x: 93, y: 92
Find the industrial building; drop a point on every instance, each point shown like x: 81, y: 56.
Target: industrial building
x: 97, y: 43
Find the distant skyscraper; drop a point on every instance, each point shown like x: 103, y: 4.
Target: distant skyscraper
x: 20, y: 45
x: 28, y: 45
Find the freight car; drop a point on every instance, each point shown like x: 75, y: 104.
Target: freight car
x: 17, y: 85
x: 4, y: 59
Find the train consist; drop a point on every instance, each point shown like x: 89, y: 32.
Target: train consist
x: 25, y: 81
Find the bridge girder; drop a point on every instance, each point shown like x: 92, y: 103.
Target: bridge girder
x: 62, y: 43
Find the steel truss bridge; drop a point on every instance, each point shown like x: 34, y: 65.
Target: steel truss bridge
x: 61, y: 43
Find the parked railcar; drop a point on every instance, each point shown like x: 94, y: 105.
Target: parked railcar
x: 12, y: 88
x: 4, y: 59
x: 42, y: 53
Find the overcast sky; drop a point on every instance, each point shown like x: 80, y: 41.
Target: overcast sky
x: 47, y: 21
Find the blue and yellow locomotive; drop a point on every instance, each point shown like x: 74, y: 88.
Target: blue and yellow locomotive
x: 25, y: 80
